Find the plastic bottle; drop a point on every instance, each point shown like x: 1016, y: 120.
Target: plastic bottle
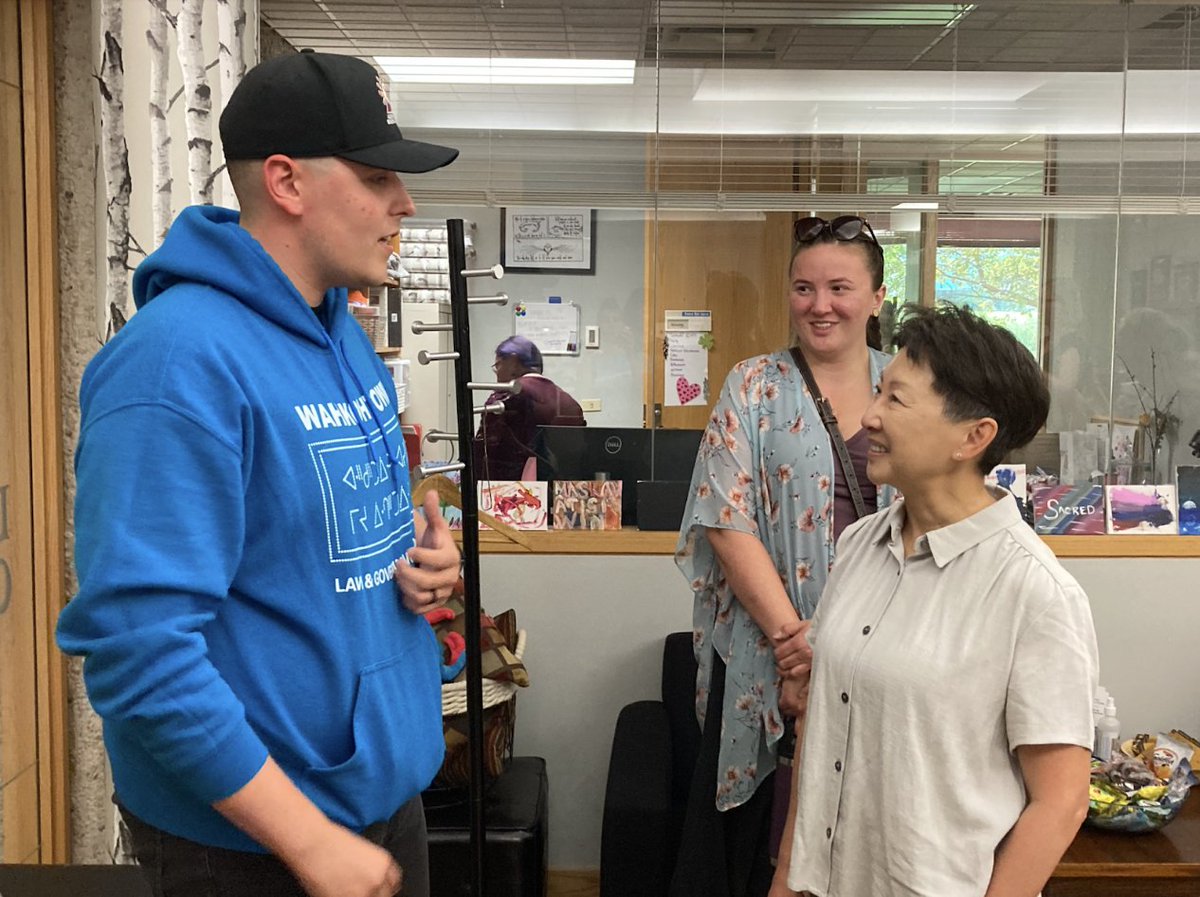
x: 1108, y: 737
x: 1099, y: 700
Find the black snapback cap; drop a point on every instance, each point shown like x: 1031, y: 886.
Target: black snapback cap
x: 310, y: 104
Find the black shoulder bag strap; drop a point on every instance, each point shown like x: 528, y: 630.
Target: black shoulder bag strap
x: 829, y: 419
x: 787, y: 743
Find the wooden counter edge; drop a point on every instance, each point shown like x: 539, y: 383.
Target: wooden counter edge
x: 1126, y: 870
x: 630, y: 540
x: 627, y: 540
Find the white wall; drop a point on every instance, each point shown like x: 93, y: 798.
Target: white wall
x: 611, y: 298
x: 1146, y: 612
x: 596, y: 624
x: 595, y: 629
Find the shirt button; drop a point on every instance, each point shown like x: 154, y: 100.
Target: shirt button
x: 866, y: 630
x: 845, y: 698
x: 828, y: 833
x: 838, y: 766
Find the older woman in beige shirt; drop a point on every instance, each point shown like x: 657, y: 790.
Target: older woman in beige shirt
x: 946, y: 740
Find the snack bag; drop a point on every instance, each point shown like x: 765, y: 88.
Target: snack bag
x: 1167, y: 755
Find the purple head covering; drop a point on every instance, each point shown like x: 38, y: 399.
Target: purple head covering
x: 523, y: 349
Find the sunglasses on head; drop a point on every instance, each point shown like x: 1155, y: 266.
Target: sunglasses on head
x: 844, y: 229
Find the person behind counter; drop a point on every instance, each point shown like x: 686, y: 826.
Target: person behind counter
x: 946, y: 744
x: 505, y: 441
x: 769, y: 495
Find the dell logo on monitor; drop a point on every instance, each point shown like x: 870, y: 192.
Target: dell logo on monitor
x: 613, y: 444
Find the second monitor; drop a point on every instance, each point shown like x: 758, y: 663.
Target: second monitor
x: 627, y: 454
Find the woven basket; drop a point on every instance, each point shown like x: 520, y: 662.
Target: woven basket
x: 371, y: 321
x: 499, y: 719
x: 454, y: 694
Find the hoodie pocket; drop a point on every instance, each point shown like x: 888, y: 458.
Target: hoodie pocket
x: 398, y: 742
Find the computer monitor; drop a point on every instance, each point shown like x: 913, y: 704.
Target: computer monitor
x: 674, y: 454
x: 627, y: 454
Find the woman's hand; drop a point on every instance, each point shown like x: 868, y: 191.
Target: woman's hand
x: 793, y: 695
x: 427, y: 575
x: 793, y: 654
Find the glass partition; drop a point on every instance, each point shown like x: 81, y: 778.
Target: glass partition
x: 1031, y: 160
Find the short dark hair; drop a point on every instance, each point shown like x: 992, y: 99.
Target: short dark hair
x: 979, y: 370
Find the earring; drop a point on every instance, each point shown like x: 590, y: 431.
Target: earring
x: 875, y: 314
x: 958, y: 456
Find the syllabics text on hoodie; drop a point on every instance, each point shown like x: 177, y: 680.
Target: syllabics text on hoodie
x: 365, y: 513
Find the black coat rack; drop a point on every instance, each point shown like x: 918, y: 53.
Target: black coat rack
x: 464, y: 387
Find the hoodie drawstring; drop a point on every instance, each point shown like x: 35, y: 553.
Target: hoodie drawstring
x: 344, y: 369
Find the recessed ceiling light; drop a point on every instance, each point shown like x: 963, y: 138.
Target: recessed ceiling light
x: 507, y: 70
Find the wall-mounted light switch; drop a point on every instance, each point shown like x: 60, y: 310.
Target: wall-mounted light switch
x: 589, y: 404
x: 591, y: 336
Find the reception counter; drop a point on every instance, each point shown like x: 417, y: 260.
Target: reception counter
x: 630, y: 540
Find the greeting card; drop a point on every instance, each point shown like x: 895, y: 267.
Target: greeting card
x: 520, y: 504
x: 1010, y: 477
x: 1140, y: 510
x: 1187, y: 486
x: 587, y: 504
x: 451, y: 514
x: 1068, y: 510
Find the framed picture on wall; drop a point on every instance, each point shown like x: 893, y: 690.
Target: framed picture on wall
x: 548, y: 240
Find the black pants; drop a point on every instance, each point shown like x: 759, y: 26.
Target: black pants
x: 722, y: 854
x: 177, y: 867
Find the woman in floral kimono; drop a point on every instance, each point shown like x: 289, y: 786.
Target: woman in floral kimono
x: 768, y: 499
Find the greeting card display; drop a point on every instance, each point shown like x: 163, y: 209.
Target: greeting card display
x: 587, y: 504
x: 520, y: 504
x: 1066, y: 510
x: 1187, y: 486
x: 1140, y: 510
x: 1011, y: 478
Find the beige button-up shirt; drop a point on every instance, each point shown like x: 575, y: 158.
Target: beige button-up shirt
x: 929, y: 672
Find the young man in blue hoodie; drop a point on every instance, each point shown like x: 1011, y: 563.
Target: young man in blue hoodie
x: 251, y: 570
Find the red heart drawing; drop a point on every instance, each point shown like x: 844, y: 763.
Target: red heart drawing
x: 686, y: 391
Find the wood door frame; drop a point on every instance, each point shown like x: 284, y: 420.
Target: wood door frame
x: 36, y: 28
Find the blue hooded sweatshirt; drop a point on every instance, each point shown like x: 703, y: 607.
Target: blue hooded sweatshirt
x: 242, y: 501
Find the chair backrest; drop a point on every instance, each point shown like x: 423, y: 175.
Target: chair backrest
x: 679, y: 700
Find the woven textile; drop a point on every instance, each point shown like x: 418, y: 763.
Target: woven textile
x: 502, y: 646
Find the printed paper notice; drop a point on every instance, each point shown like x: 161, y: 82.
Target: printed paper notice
x: 687, y: 319
x: 686, y: 382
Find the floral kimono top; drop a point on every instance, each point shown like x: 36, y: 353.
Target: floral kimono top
x: 765, y: 467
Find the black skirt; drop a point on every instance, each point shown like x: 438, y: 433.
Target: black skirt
x: 722, y: 854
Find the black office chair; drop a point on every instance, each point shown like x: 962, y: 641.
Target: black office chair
x: 654, y: 751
